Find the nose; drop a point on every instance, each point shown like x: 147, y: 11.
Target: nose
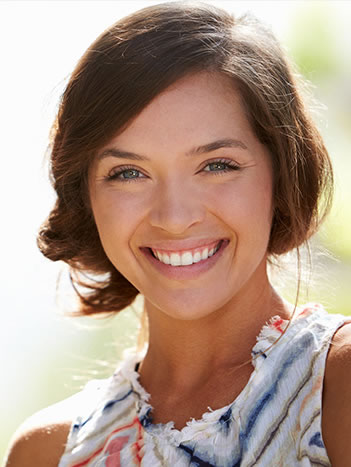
x: 176, y: 207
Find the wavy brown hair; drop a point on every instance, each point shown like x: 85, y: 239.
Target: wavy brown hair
x: 121, y: 72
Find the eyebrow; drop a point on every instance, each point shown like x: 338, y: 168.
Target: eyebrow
x: 221, y: 143
x: 213, y: 146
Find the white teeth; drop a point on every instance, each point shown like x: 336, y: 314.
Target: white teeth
x: 204, y: 254
x: 158, y: 255
x: 187, y: 258
x: 175, y: 259
x: 197, y: 257
x: 165, y: 258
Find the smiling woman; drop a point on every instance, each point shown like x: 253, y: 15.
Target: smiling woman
x: 184, y: 162
x: 202, y: 185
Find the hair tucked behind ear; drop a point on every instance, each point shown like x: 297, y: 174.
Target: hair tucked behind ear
x: 121, y: 72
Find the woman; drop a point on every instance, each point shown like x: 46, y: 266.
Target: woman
x: 184, y: 163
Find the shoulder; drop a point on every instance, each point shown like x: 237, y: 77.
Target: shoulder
x: 40, y: 441
x: 336, y: 420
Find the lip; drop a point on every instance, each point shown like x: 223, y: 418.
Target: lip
x: 177, y: 246
x: 191, y: 271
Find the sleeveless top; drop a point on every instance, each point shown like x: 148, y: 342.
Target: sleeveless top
x: 275, y: 420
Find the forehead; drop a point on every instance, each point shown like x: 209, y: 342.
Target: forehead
x: 196, y: 109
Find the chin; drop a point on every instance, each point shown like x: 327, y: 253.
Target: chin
x: 186, y: 307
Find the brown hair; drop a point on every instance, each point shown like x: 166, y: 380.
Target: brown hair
x: 121, y: 72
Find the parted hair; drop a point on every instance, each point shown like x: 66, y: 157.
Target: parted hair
x: 127, y: 66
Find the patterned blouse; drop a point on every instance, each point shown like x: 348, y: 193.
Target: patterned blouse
x: 275, y: 420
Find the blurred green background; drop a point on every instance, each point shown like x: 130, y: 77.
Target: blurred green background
x: 45, y: 356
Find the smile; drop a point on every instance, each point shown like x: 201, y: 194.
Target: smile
x: 185, y: 264
x: 187, y: 257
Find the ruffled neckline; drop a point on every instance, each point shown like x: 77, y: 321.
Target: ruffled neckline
x: 261, y: 353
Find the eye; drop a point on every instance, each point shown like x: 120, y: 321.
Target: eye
x: 125, y: 174
x: 221, y: 165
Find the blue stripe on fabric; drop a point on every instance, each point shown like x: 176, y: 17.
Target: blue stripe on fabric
x: 107, y: 406
x: 111, y: 403
x: 146, y: 420
x: 316, y: 440
x: 85, y: 421
x: 225, y: 420
x: 254, y: 353
x: 271, y: 392
x: 195, y: 460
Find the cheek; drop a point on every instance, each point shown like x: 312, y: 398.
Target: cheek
x: 245, y: 204
x: 117, y: 215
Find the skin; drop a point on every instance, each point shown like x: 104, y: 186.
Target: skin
x: 175, y: 201
x: 204, y: 327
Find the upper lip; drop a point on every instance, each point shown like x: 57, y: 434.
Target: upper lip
x: 182, y: 245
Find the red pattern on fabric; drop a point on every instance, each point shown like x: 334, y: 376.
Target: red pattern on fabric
x: 86, y: 461
x: 113, y: 446
x: 277, y: 324
x: 140, y: 443
x: 114, y: 449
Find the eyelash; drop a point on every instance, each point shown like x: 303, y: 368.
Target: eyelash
x: 230, y: 166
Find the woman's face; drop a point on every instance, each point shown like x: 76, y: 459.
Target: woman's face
x: 187, y: 183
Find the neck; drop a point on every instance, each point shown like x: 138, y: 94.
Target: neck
x: 188, y: 352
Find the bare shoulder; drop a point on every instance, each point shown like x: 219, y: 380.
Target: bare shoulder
x: 336, y: 420
x: 40, y: 440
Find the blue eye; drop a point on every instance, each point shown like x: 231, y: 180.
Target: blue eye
x: 216, y: 166
x: 221, y: 166
x: 125, y: 174
x: 129, y: 173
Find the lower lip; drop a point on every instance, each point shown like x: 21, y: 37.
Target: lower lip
x: 185, y: 272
